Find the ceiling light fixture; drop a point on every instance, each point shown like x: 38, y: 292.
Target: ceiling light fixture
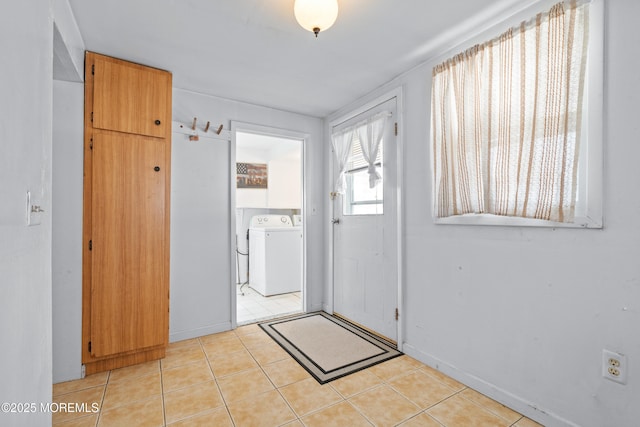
x: 316, y: 15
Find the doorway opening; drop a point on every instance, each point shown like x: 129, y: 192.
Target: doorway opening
x: 269, y: 228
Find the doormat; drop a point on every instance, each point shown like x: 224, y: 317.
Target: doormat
x: 327, y: 347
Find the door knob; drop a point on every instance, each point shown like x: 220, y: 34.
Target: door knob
x: 335, y: 221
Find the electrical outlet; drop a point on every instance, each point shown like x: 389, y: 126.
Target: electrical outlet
x: 614, y: 366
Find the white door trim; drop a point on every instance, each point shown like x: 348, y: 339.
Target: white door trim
x: 276, y: 132
x: 395, y: 93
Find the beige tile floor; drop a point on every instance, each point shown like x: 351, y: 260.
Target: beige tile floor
x: 242, y: 378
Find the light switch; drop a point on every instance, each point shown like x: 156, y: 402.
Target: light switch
x: 34, y: 211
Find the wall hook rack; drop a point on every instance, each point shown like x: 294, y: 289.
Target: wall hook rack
x: 194, y: 133
x: 195, y: 137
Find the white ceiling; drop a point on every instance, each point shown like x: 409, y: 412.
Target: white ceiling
x: 254, y: 50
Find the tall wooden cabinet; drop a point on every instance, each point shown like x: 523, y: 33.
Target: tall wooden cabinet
x: 127, y: 149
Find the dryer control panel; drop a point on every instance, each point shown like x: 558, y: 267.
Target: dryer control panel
x: 270, y: 221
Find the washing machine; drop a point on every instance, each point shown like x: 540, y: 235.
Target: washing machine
x: 275, y: 255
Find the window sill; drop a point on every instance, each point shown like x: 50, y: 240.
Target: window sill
x: 496, y: 220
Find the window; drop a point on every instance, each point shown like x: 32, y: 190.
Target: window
x: 358, y: 150
x: 516, y: 125
x: 359, y: 198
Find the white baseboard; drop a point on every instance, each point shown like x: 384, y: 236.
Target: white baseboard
x: 199, y: 332
x: 315, y: 307
x: 526, y: 408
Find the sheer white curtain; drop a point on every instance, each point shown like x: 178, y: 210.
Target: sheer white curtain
x: 341, y: 142
x: 506, y: 118
x: 370, y: 135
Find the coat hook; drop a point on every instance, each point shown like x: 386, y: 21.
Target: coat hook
x: 193, y: 126
x: 219, y: 129
x: 206, y: 128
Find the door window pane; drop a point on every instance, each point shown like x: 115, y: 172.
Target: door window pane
x: 359, y: 199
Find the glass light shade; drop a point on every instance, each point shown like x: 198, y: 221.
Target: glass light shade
x: 316, y: 15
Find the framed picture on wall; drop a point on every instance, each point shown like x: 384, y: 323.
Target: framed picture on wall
x: 251, y: 175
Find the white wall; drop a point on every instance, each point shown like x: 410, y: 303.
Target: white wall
x: 285, y: 185
x: 522, y: 314
x: 67, y: 180
x: 68, y: 171
x: 200, y: 272
x: 201, y: 276
x: 25, y: 164
x: 68, y: 46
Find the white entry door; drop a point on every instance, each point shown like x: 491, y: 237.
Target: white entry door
x: 365, y: 231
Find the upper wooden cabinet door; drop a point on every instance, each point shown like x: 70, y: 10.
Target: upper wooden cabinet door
x: 129, y: 97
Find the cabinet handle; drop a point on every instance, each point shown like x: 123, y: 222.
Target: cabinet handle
x: 157, y: 169
x: 157, y: 122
